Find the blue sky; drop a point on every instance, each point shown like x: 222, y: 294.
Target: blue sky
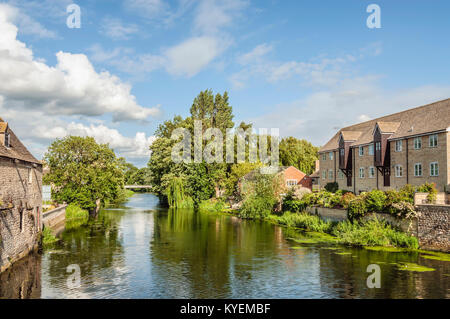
x: 306, y: 67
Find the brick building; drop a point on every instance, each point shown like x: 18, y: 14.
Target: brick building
x: 410, y: 147
x: 20, y: 198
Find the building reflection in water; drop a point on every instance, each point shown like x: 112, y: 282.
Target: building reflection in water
x: 22, y: 280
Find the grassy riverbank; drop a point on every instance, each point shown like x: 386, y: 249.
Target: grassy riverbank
x: 367, y: 233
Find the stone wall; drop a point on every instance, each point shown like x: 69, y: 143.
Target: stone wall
x: 434, y: 227
x: 55, y: 219
x: 20, y: 210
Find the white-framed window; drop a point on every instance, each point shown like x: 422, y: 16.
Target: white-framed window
x: 361, y: 151
x: 398, y: 146
x: 418, y: 169
x: 417, y: 143
x: 433, y: 140
x: 371, y: 149
x: 340, y: 174
x: 324, y: 157
x: 434, y: 169
x: 342, y: 151
x: 330, y: 174
x: 324, y: 174
x: 361, y: 172
x: 398, y: 171
x: 291, y: 182
x: 378, y: 146
x: 330, y: 155
x: 371, y: 172
x: 30, y: 176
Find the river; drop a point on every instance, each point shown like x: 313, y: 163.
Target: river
x: 142, y: 250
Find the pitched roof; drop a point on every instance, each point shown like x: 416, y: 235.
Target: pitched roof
x: 420, y: 120
x: 17, y: 149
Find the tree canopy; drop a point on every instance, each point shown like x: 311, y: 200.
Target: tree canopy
x: 82, y: 171
x: 298, y: 153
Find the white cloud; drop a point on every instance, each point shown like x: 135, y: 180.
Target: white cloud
x: 191, y: 56
x: 115, y: 29
x: 255, y: 55
x: 136, y: 147
x: 71, y: 87
x: 213, y: 15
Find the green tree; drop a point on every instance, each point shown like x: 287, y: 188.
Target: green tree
x: 83, y: 172
x: 298, y: 153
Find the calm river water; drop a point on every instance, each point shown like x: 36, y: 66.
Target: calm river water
x: 144, y: 251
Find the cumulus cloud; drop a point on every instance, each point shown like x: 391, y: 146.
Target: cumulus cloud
x: 69, y: 88
x: 135, y: 147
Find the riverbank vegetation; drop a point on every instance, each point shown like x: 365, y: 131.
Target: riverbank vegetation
x: 203, y: 181
x: 84, y: 173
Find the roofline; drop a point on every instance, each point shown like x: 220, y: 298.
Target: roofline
x: 21, y: 160
x: 392, y: 139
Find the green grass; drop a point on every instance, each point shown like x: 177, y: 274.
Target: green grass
x: 304, y: 221
x: 76, y: 217
x: 211, y: 205
x: 47, y: 237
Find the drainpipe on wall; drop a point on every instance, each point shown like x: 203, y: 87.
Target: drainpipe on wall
x: 354, y: 171
x: 335, y: 171
x: 407, y: 164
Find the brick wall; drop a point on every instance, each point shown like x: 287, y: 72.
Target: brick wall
x: 21, y: 210
x: 434, y: 227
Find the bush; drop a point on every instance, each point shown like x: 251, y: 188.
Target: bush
x: 255, y: 207
x: 346, y: 199
x: 429, y: 188
x: 212, y: 205
x: 403, y: 210
x: 407, y: 193
x: 375, y: 201
x: 47, y: 237
x: 332, y: 187
x: 294, y: 205
x: 357, y: 208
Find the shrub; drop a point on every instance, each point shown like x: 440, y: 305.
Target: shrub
x: 212, y: 205
x: 332, y: 187
x: 429, y: 188
x: 407, y: 193
x: 47, y: 237
x: 255, y: 207
x: 375, y: 201
x: 294, y: 205
x: 346, y: 199
x: 357, y: 208
x: 403, y: 209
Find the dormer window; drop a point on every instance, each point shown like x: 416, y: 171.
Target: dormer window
x: 7, y: 140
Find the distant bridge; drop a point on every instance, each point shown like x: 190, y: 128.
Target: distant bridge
x: 138, y: 187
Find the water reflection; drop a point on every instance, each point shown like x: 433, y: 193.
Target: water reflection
x: 143, y: 251
x: 22, y: 280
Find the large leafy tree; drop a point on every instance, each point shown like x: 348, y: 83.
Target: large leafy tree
x: 298, y: 153
x: 83, y: 172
